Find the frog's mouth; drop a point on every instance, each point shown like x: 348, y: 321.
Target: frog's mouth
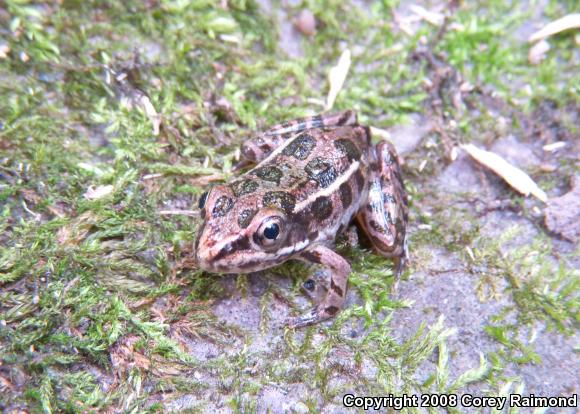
x: 231, y: 255
x: 238, y: 255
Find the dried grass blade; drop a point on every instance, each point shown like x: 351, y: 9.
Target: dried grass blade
x: 570, y: 21
x: 336, y: 77
x: 515, y: 177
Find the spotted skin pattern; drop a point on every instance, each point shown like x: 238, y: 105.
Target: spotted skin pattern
x: 313, y: 177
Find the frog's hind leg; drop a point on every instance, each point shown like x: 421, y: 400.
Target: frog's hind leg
x: 334, y: 299
x: 259, y: 147
x: 384, y: 216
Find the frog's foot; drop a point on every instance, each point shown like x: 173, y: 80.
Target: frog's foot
x: 334, y: 298
x: 311, y: 317
x: 399, y: 266
x: 400, y: 263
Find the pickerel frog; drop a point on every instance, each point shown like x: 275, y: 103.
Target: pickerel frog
x: 313, y: 176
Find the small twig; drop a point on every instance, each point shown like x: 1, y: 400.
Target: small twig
x: 445, y: 139
x: 152, y: 176
x: 37, y: 216
x: 206, y: 179
x: 441, y: 271
x: 440, y: 33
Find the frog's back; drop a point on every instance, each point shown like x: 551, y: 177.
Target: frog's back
x: 317, y: 178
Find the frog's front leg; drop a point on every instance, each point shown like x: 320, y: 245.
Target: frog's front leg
x: 259, y: 147
x: 384, y: 216
x: 339, y: 270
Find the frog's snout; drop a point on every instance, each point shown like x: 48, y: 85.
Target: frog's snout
x: 202, y: 254
x: 205, y: 259
x: 210, y: 253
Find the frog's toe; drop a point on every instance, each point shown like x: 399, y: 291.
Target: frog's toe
x: 400, y: 264
x: 311, y: 317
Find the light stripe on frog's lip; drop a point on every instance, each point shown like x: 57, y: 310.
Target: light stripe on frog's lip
x: 239, y: 244
x: 295, y: 247
x: 325, y: 192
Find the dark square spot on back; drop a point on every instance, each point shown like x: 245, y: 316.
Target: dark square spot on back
x: 240, y: 188
x: 301, y: 147
x: 360, y: 181
x: 269, y: 173
x: 321, y: 171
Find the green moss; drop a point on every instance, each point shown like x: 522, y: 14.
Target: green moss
x: 100, y: 290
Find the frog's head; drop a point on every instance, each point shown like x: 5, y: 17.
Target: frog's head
x: 240, y: 234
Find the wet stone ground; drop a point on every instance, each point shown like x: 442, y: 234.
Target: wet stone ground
x: 116, y: 117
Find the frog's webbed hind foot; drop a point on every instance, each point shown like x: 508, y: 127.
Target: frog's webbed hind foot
x: 308, y: 318
x: 311, y: 317
x: 400, y: 263
x: 335, y: 295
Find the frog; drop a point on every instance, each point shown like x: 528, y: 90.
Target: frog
x: 311, y: 179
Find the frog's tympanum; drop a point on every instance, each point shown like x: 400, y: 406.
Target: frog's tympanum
x: 313, y: 176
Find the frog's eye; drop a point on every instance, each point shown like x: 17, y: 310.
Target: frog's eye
x: 269, y: 231
x: 272, y: 231
x: 202, y: 200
